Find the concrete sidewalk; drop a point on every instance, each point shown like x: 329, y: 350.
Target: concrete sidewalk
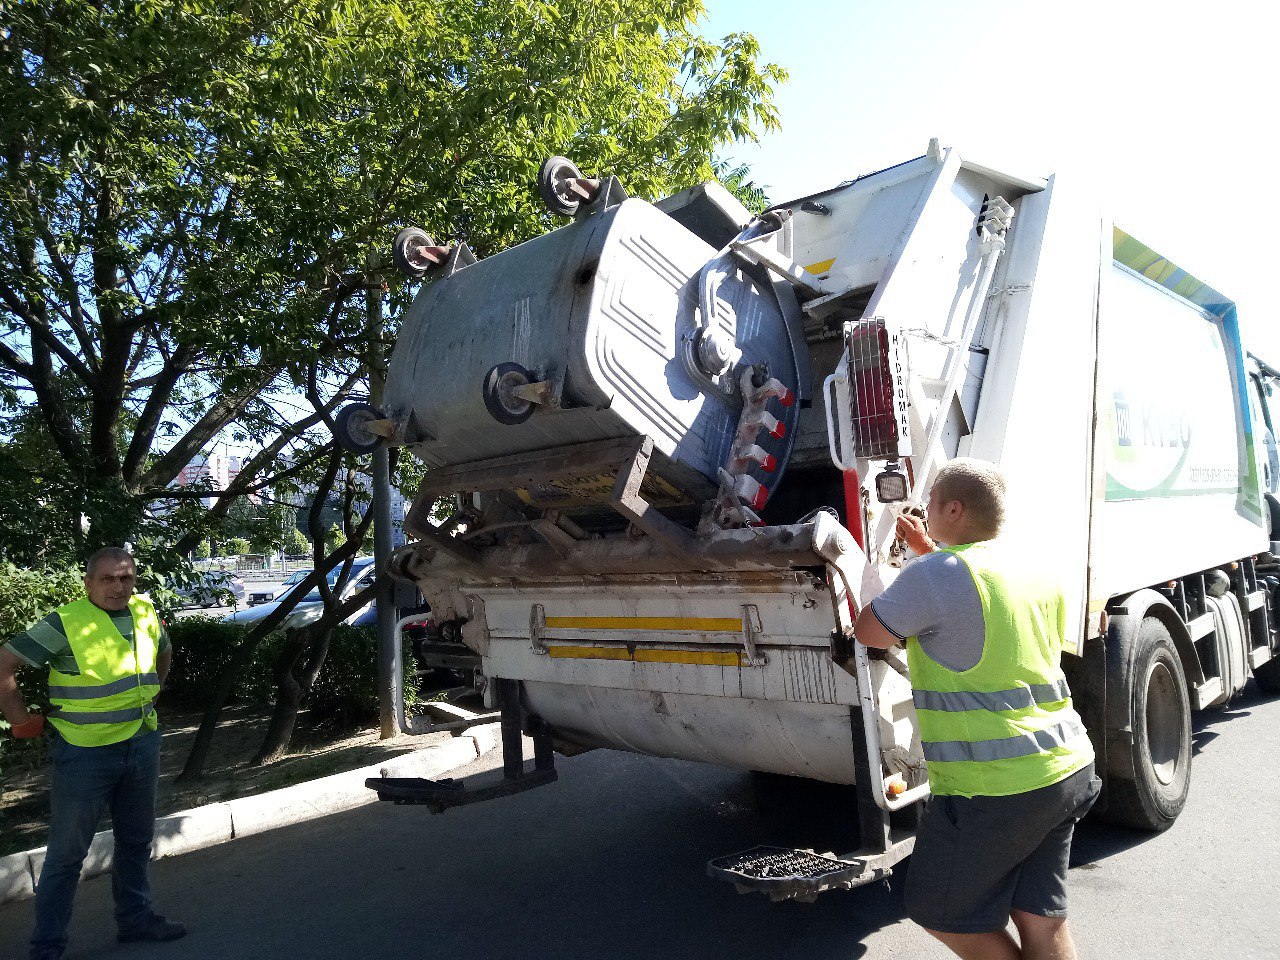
x: 216, y: 823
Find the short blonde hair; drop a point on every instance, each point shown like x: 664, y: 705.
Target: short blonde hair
x: 980, y: 487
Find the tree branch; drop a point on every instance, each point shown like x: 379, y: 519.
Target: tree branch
x: 13, y: 360
x: 168, y: 466
x: 53, y: 410
x: 40, y: 329
x: 153, y: 411
x: 250, y: 469
x: 75, y: 314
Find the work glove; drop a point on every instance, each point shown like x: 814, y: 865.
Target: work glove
x: 912, y: 530
x: 33, y: 726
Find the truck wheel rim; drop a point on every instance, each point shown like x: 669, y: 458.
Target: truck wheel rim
x: 1164, y: 723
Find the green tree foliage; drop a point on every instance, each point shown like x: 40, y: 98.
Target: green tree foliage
x: 242, y: 519
x: 345, y: 691
x: 264, y: 525
x: 202, y: 550
x: 272, y: 529
x: 295, y: 543
x: 27, y: 595
x: 194, y: 195
x: 236, y: 547
x: 334, y: 538
x: 190, y: 193
x: 738, y: 180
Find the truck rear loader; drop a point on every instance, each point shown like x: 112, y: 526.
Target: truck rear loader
x: 675, y: 438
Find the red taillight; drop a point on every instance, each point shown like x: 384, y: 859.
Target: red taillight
x: 875, y: 380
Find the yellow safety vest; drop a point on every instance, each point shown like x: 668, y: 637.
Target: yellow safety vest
x: 111, y: 698
x: 1006, y: 725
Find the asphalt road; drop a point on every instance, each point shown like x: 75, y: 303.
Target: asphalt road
x: 609, y: 863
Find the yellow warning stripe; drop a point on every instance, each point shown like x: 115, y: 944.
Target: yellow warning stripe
x: 714, y: 658
x: 685, y: 624
x: 822, y: 266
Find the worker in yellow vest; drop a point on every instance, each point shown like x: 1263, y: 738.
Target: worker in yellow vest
x: 1010, y: 764
x: 107, y: 656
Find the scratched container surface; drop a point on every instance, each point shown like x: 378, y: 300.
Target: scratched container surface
x: 607, y: 302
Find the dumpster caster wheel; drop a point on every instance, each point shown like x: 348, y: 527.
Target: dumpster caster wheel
x: 351, y: 428
x: 415, y: 252
x: 559, y: 186
x: 500, y: 400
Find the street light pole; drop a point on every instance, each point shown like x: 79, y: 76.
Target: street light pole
x: 389, y: 682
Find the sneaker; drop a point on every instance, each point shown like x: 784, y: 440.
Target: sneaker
x: 156, y: 929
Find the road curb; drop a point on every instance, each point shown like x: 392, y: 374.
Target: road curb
x: 215, y: 823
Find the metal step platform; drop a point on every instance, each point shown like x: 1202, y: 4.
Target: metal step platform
x: 516, y: 776
x: 785, y: 873
x: 440, y: 795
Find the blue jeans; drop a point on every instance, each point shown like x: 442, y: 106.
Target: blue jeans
x: 121, y: 777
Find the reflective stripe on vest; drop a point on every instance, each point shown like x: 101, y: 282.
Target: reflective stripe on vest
x: 103, y: 690
x: 106, y: 716
x: 1018, y: 698
x: 1006, y: 725
x: 111, y: 697
x: 1022, y: 745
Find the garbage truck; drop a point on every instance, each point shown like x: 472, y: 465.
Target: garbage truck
x: 672, y: 438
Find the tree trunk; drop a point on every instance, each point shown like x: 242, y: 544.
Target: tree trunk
x: 193, y: 769
x: 292, y: 689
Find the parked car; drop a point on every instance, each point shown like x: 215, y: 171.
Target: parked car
x: 367, y: 616
x: 264, y: 596
x: 212, y: 588
x: 310, y: 607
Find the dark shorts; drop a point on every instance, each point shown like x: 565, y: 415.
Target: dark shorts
x: 976, y: 858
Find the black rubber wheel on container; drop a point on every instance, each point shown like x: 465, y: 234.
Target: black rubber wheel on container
x: 402, y: 251
x: 502, y: 405
x: 1159, y: 712
x: 351, y: 428
x: 552, y: 178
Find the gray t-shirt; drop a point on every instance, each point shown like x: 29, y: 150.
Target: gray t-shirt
x: 935, y: 600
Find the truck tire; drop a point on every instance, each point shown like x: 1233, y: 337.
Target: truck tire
x: 1159, y: 721
x: 1267, y: 675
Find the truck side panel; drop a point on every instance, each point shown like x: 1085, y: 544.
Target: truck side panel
x: 1180, y: 487
x: 1035, y: 416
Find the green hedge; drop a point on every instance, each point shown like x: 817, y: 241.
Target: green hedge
x: 347, y: 688
x: 202, y: 647
x: 25, y: 597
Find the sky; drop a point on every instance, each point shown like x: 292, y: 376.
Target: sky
x: 1168, y: 109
